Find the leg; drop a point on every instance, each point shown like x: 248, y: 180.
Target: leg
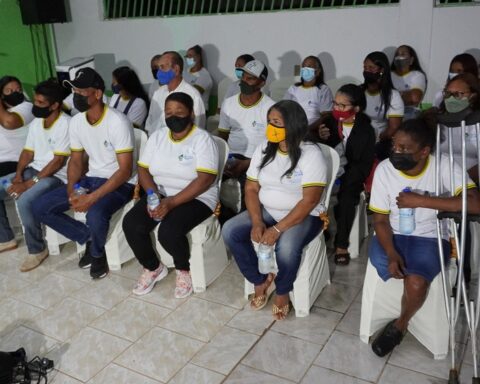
x: 137, y: 225
x: 173, y: 230
x: 33, y: 230
x: 415, y: 289
x: 7, y: 237
x: 289, y: 250
x: 348, y: 198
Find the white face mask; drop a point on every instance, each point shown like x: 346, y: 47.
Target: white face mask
x: 451, y: 75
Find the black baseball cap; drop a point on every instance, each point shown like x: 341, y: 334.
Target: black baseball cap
x: 86, y: 78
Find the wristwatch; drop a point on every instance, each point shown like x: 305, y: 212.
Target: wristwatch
x: 35, y: 179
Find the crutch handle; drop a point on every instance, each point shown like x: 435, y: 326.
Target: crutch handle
x: 457, y: 216
x: 453, y: 120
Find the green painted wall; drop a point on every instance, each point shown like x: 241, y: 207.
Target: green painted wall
x: 22, y: 48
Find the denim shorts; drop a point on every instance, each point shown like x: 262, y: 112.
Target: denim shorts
x: 420, y: 255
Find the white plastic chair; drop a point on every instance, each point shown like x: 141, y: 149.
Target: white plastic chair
x: 213, y: 121
x: 208, y: 256
x: 13, y: 216
x: 313, y: 273
x: 279, y: 87
x: 381, y: 304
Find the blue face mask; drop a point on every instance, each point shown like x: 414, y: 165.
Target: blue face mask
x: 190, y: 61
x: 238, y: 73
x: 164, y: 77
x: 307, y: 73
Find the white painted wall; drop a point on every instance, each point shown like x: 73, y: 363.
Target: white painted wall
x: 341, y: 38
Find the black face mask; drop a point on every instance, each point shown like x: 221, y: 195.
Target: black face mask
x: 402, y: 161
x: 371, y: 77
x: 246, y: 88
x: 80, y: 102
x: 41, y: 112
x: 14, y: 98
x: 178, y: 124
x: 154, y: 74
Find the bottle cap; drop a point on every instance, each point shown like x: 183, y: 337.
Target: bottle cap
x: 76, y: 186
x: 149, y: 191
x: 407, y: 189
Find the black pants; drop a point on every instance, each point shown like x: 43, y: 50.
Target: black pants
x: 348, y: 199
x: 8, y: 167
x: 172, y: 232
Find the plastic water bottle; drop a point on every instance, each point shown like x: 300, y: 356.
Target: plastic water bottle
x: 230, y: 161
x: 7, y: 184
x: 79, y: 190
x: 153, y: 201
x: 407, y: 218
x: 265, y: 259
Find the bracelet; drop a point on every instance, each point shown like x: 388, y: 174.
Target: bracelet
x: 276, y: 229
x: 35, y: 179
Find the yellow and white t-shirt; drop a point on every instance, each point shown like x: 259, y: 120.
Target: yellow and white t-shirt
x: 388, y: 182
x: 313, y: 100
x: 278, y: 194
x: 137, y: 112
x: 375, y: 109
x: 47, y: 142
x: 13, y: 140
x: 410, y: 80
x: 202, y: 80
x: 175, y: 164
x: 246, y: 125
x: 110, y: 135
x: 156, y: 114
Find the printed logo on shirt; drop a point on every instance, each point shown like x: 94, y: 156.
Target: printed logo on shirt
x: 108, y: 145
x: 294, y: 177
x: 186, y: 156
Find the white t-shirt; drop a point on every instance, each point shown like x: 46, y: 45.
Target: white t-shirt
x: 47, y: 142
x: 470, y: 144
x: 313, y: 100
x: 110, y: 135
x: 68, y: 104
x: 200, y: 79
x: 246, y: 125
x: 137, y: 112
x: 232, y: 90
x: 278, y: 194
x: 13, y: 140
x: 409, y: 81
x: 154, y: 85
x: 375, y: 109
x: 156, y: 114
x: 388, y: 182
x: 175, y: 164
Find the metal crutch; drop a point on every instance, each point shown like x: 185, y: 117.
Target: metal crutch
x: 452, y: 302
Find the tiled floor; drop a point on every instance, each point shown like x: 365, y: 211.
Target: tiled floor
x: 98, y: 332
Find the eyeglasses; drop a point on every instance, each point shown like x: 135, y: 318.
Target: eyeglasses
x: 457, y: 95
x: 340, y: 106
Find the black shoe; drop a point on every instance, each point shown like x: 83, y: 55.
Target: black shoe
x: 99, y: 267
x: 86, y: 260
x: 388, y: 339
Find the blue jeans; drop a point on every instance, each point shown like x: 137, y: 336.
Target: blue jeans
x: 52, y: 205
x: 288, y: 248
x: 32, y: 227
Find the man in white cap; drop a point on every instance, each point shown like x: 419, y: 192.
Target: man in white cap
x: 243, y: 119
x: 106, y: 136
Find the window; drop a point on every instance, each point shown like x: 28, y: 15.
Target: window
x: 443, y: 3
x: 115, y: 9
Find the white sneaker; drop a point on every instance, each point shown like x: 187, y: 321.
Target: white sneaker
x: 148, y: 278
x: 8, y: 245
x: 183, y: 286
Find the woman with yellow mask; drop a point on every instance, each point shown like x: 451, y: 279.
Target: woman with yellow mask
x: 285, y: 182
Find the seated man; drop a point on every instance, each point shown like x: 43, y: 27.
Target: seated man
x: 154, y: 85
x: 411, y: 253
x: 169, y: 74
x: 106, y: 136
x: 243, y: 120
x: 41, y: 167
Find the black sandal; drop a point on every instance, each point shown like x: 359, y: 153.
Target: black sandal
x: 342, y: 258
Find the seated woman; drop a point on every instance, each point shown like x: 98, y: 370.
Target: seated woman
x: 129, y: 97
x: 396, y: 252
x: 197, y: 75
x: 409, y: 79
x: 463, y: 63
x: 286, y: 179
x: 384, y: 103
x: 311, y: 92
x: 352, y: 132
x: 180, y: 164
